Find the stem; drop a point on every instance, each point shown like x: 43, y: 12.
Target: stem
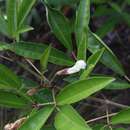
x: 127, y: 78
x: 53, y: 95
x: 35, y: 68
x: 101, y: 117
x: 109, y: 102
x: 25, y: 96
x: 45, y: 104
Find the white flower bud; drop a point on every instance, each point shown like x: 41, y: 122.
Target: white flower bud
x: 80, y: 64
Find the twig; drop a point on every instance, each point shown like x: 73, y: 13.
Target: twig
x: 35, y: 68
x: 101, y: 117
x: 45, y: 104
x: 127, y: 78
x: 109, y: 102
x: 53, y: 95
x: 6, y: 58
x: 108, y: 120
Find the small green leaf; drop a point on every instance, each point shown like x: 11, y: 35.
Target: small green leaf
x: 8, y: 79
x: 24, y: 29
x: 93, y: 59
x: 24, y: 9
x: 44, y: 58
x: 35, y: 51
x: 82, y: 89
x: 122, y: 117
x: 11, y: 100
x: 37, y: 120
x: 59, y: 25
x: 68, y: 119
x: 12, y: 16
x: 91, y: 63
x: 82, y: 20
x: 108, y: 58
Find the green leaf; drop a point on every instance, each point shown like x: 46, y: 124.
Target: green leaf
x: 73, y: 93
x: 43, y: 96
x: 24, y: 10
x: 68, y: 119
x: 122, y: 117
x: 24, y: 29
x: 118, y: 85
x: 12, y: 16
x: 3, y: 25
x: 60, y: 26
x: 82, y: 48
x: 8, y: 79
x: 108, y: 58
x: 8, y: 99
x: 48, y: 128
x: 99, y: 127
x: 3, y: 46
x: 35, y: 51
x: 91, y: 63
x: 104, y: 11
x: 100, y: 1
x: 44, y: 58
x: 28, y: 83
x: 82, y: 20
x: 125, y: 16
x: 107, y: 27
x: 37, y: 120
x: 61, y: 2
x: 128, y: 1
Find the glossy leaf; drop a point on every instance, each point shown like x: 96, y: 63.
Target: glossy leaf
x: 91, y: 63
x: 44, y: 58
x: 122, y: 117
x: 60, y: 27
x: 82, y: 20
x: 68, y: 119
x: 73, y: 93
x: 35, y: 51
x: 8, y: 79
x: 37, y: 120
x: 108, y: 58
x: 12, y: 16
x: 24, y: 9
x: 8, y: 99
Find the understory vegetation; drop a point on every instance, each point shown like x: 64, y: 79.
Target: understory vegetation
x: 64, y: 65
